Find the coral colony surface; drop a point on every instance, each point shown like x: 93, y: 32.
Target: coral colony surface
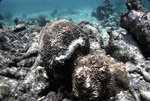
x: 73, y: 52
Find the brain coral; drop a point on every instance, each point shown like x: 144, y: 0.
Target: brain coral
x: 60, y: 43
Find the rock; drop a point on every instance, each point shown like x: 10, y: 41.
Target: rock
x: 94, y: 34
x: 119, y: 80
x: 137, y: 22
x: 13, y: 73
x: 51, y: 96
x: 90, y: 77
x: 8, y: 89
x: 123, y: 96
x: 123, y: 48
x: 135, y: 5
x: 103, y: 11
x: 61, y: 42
x: 97, y: 77
x: 19, y: 28
x: 145, y: 95
x: 3, y: 42
x: 34, y: 85
x: 18, y: 21
x: 16, y: 60
x: 139, y: 79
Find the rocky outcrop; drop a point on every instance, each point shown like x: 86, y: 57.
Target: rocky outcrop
x: 21, y: 21
x: 135, y: 5
x: 61, y: 42
x: 53, y: 74
x: 123, y: 48
x: 97, y: 77
x: 94, y: 34
x: 137, y: 22
x: 17, y: 55
x: 64, y: 48
x: 19, y: 28
x: 103, y: 11
x: 132, y: 48
x: 90, y: 78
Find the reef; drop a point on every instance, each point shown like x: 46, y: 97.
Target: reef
x: 41, y: 20
x: 64, y: 61
x: 103, y: 11
x: 94, y: 34
x: 137, y: 22
x: 60, y: 43
x: 93, y: 77
x: 52, y: 69
x: 97, y: 77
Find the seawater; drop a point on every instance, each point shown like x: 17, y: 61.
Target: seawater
x: 77, y: 10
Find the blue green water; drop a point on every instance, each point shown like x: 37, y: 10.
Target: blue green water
x: 32, y: 8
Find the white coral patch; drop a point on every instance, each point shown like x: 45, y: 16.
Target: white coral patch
x: 79, y: 70
x: 74, y: 44
x: 88, y: 82
x: 148, y: 16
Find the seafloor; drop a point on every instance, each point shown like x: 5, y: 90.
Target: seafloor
x: 74, y: 55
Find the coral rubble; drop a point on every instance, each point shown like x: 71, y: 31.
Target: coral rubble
x: 64, y: 61
x: 137, y: 22
x: 94, y: 34
x: 95, y: 76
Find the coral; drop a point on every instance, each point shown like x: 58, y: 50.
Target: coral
x: 97, y: 77
x: 15, y: 62
x: 8, y: 88
x: 21, y: 21
x: 60, y: 43
x: 123, y: 49
x: 137, y: 22
x: 135, y: 5
x: 19, y: 28
x: 94, y: 34
x: 64, y: 48
x: 103, y: 11
x: 90, y: 77
x: 145, y: 95
x: 41, y: 20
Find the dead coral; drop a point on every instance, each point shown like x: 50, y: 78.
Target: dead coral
x: 97, y: 77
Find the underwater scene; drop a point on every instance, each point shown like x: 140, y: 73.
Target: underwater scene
x: 74, y: 50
